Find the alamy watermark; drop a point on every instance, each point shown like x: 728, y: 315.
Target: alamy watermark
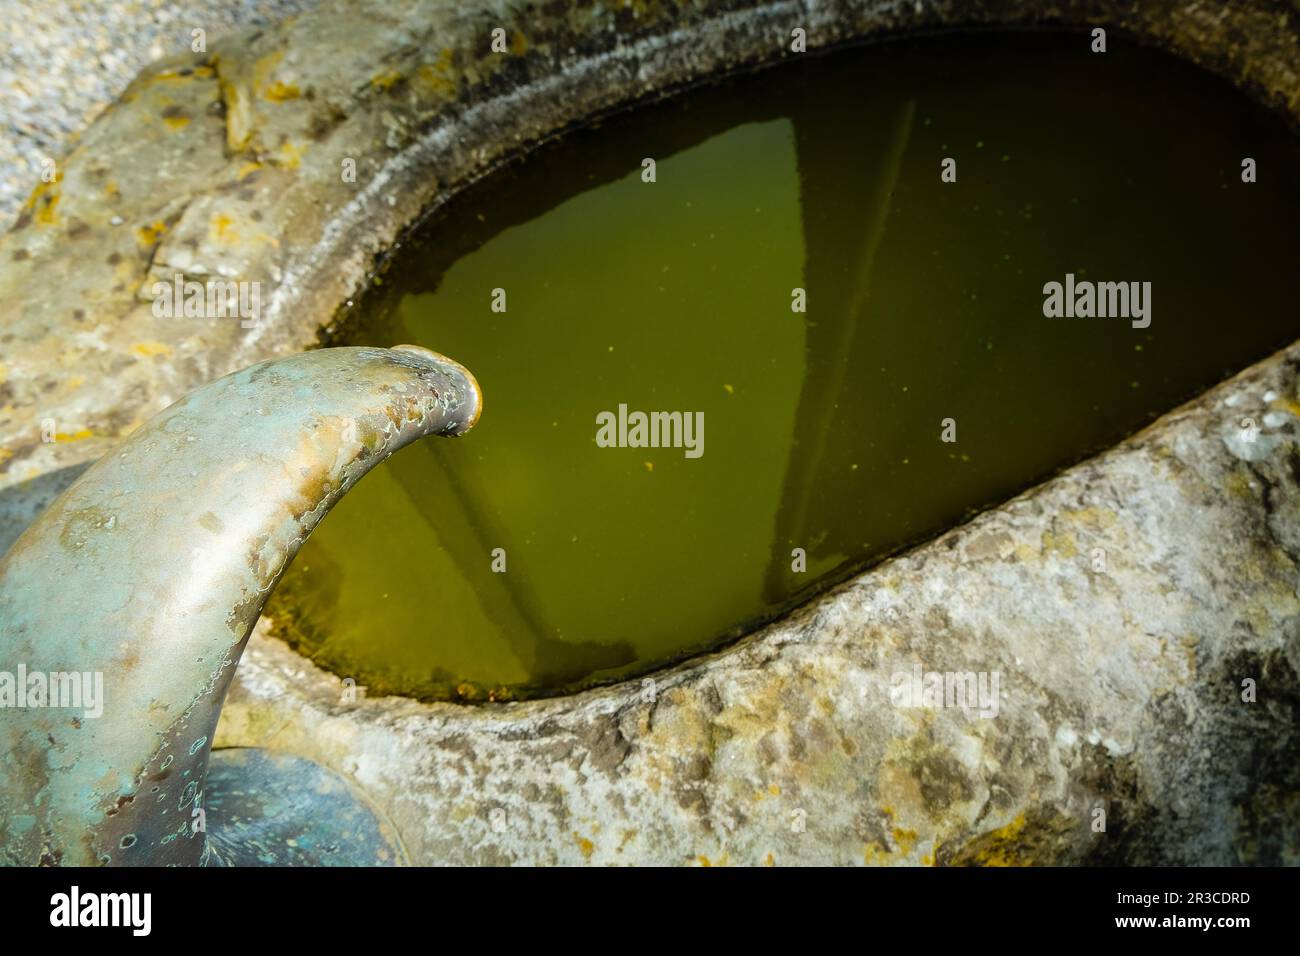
x: 651, y: 430
x: 130, y: 910
x: 210, y: 299
x: 56, y: 689
x: 936, y: 690
x: 1084, y: 300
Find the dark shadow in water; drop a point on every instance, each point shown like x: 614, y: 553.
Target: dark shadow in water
x: 507, y: 599
x: 845, y: 190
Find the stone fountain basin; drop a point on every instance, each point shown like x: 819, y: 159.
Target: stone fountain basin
x: 1120, y: 689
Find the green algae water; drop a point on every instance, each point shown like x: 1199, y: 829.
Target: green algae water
x: 529, y: 558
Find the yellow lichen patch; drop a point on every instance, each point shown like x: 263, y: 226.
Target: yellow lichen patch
x: 278, y: 92
x: 150, y: 349
x: 245, y: 169
x: 263, y: 68
x: 288, y: 156
x: 518, y: 43
x: 178, y: 121
x: 71, y: 384
x: 149, y: 234
x: 1064, y: 544
x: 44, y: 199
x: 73, y: 436
x: 769, y: 860
x: 385, y: 81
x: 1289, y: 405
x: 1092, y: 517
x: 176, y: 76
x: 5, y: 454
x: 239, y: 119
x: 998, y: 846
x: 585, y: 846
x: 437, y: 77
x: 873, y: 854
x: 4, y: 374
x: 905, y: 840
x: 221, y: 228
x: 46, y: 213
x: 1021, y: 842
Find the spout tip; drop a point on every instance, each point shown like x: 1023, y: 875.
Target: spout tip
x: 473, y: 394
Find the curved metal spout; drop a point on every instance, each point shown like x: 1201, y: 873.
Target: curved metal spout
x: 139, y: 586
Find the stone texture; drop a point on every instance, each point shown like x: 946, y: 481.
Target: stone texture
x: 62, y: 63
x: 1120, y: 688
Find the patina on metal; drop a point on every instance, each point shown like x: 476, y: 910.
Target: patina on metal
x: 152, y: 569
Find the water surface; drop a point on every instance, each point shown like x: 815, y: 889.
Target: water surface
x: 823, y: 428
